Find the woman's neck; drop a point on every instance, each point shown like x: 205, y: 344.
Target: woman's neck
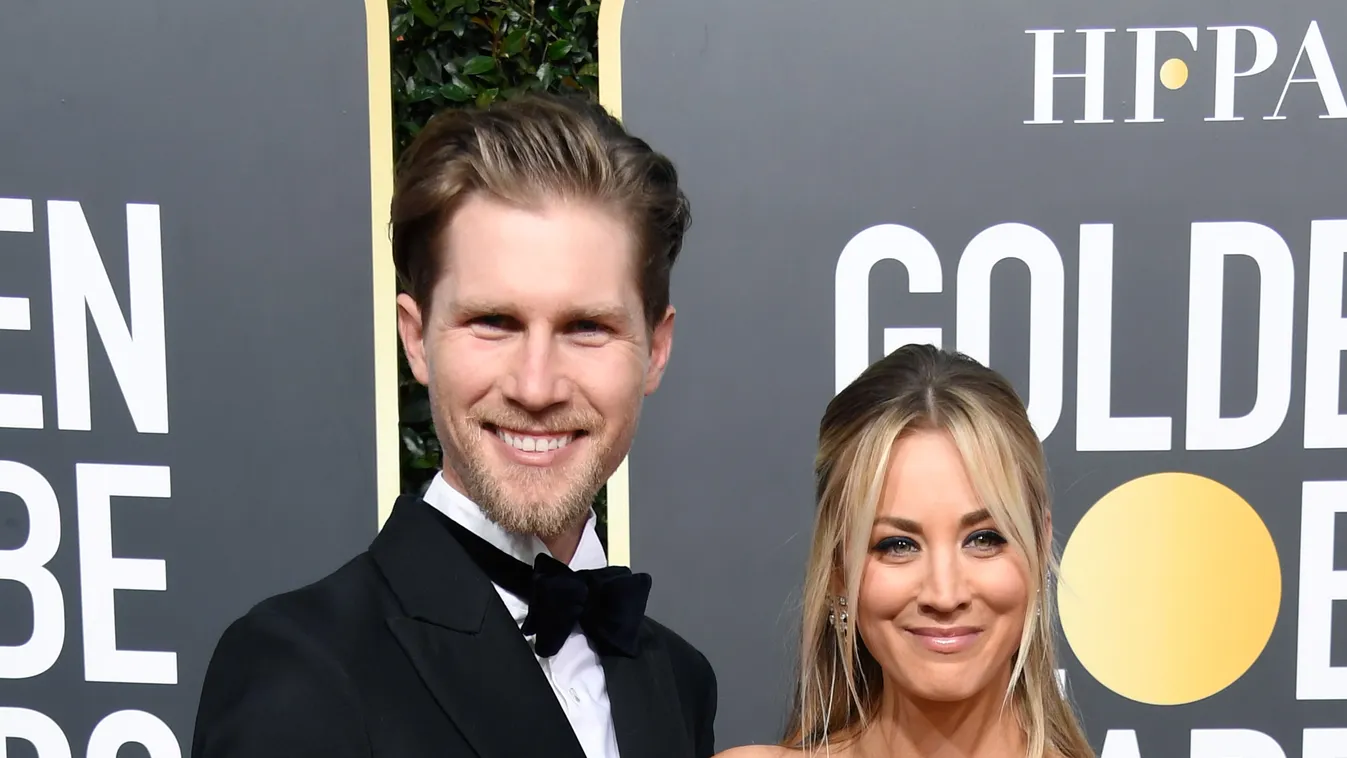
x: 983, y: 726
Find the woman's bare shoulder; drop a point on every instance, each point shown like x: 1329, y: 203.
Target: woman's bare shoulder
x: 759, y: 751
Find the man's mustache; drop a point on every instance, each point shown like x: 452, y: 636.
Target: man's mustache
x: 561, y: 422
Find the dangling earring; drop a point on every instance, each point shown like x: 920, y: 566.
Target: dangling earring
x: 839, y: 619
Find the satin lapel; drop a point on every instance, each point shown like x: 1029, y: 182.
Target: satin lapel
x: 491, y: 686
x: 647, y: 714
x: 464, y: 644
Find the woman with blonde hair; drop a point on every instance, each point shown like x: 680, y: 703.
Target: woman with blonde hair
x: 928, y: 626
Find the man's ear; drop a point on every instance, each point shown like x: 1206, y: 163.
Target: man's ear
x: 661, y: 345
x: 412, y: 333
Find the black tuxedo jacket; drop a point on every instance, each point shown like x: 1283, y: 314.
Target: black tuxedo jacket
x: 408, y: 651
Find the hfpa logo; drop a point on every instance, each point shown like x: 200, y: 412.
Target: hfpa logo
x: 1228, y: 41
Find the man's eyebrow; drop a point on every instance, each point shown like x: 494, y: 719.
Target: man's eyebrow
x: 476, y: 305
x: 597, y: 312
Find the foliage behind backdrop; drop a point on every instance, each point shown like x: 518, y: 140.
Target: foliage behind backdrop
x: 464, y: 53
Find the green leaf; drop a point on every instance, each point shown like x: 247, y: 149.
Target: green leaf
x: 411, y: 442
x: 456, y: 92
x: 591, y: 8
x: 559, y: 16
x: 472, y: 6
x: 558, y: 49
x: 427, y: 68
x: 487, y: 96
x: 479, y: 65
x: 455, y: 25
x: 423, y: 12
x: 545, y: 75
x: 416, y: 409
x: 422, y: 94
x: 589, y: 69
x: 514, y: 41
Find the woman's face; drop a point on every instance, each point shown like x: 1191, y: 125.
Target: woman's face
x: 943, y: 595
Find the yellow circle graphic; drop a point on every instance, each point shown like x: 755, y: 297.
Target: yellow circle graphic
x: 1173, y: 73
x: 1170, y: 587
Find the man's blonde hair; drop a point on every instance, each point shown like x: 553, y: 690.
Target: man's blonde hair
x: 525, y: 151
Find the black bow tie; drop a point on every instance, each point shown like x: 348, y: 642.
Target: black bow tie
x: 607, y: 603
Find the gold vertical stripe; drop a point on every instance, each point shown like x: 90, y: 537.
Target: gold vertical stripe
x: 610, y: 96
x: 610, y: 56
x: 387, y: 459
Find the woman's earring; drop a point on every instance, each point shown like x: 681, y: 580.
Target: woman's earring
x: 839, y: 619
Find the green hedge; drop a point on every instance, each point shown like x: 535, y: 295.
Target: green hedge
x: 461, y: 53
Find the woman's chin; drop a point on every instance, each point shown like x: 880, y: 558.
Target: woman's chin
x: 948, y: 684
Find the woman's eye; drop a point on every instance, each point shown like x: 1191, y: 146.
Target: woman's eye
x: 896, y: 546
x: 986, y: 539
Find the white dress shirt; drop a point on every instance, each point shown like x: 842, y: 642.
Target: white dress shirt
x: 575, y: 672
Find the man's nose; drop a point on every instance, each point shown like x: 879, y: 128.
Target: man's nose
x: 535, y: 380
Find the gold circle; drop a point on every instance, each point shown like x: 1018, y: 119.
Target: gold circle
x: 1173, y: 73
x: 1170, y: 587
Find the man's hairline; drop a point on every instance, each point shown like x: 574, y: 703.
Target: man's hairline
x: 439, y: 247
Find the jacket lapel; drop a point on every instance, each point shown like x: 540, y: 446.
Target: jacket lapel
x: 647, y: 715
x: 495, y: 693
x: 464, y: 644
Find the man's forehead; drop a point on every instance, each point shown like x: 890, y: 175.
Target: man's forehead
x: 510, y: 288
x: 547, y: 221
x: 483, y: 271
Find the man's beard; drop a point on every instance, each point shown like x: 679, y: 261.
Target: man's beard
x: 539, y: 500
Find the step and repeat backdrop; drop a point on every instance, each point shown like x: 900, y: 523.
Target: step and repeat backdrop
x: 188, y: 391
x: 1135, y: 210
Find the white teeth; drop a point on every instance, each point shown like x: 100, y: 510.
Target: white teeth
x: 530, y: 444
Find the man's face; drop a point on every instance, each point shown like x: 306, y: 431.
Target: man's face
x: 536, y: 355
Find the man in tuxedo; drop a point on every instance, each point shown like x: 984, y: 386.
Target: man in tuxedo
x: 534, y: 240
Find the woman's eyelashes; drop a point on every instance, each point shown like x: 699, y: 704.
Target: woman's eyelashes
x: 986, y: 540
x: 896, y: 546
x: 981, y: 541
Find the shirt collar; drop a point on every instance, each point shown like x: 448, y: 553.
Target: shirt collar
x: 589, y: 554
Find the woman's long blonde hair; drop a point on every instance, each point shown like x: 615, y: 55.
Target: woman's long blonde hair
x: 920, y: 387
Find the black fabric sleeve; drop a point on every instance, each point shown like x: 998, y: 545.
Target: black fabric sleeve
x: 272, y: 691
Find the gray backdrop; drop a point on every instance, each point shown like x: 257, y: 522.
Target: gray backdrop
x: 246, y: 124
x: 797, y: 125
